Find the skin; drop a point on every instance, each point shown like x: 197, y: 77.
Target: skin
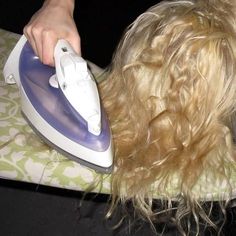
x: 52, y: 22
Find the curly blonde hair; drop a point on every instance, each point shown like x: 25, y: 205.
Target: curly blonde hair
x: 170, y: 98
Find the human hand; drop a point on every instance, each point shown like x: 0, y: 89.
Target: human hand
x: 52, y: 22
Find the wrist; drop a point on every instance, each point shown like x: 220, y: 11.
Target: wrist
x: 65, y: 4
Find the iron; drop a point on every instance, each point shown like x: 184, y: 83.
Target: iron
x: 62, y: 104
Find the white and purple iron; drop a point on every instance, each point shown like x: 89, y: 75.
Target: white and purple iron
x: 62, y: 104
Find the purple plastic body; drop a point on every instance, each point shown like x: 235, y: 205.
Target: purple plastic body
x: 52, y: 105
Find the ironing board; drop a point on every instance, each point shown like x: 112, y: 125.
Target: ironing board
x: 24, y: 157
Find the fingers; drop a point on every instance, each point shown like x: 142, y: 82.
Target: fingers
x: 35, y: 35
x: 30, y: 38
x: 47, y: 26
x: 42, y: 42
x: 49, y: 40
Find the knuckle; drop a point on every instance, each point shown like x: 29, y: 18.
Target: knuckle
x: 27, y: 29
x: 48, y: 33
x: 36, y: 30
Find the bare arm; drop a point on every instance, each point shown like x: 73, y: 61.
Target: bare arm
x: 52, y: 22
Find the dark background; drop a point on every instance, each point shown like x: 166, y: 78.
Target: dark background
x: 31, y: 210
x: 100, y: 23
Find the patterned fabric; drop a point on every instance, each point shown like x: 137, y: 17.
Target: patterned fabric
x: 24, y: 157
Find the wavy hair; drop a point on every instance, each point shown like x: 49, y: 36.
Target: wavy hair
x: 170, y: 98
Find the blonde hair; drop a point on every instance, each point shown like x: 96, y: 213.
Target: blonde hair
x: 170, y: 97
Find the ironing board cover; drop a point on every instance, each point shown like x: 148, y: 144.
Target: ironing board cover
x: 24, y: 157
